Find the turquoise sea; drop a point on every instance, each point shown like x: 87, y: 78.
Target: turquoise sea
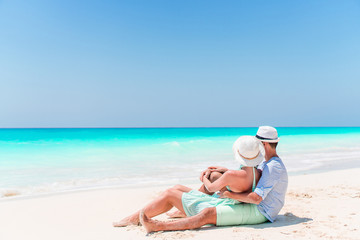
x: 43, y: 161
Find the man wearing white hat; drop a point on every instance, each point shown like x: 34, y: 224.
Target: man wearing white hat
x: 269, y: 194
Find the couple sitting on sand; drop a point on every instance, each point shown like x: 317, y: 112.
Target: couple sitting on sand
x: 249, y: 195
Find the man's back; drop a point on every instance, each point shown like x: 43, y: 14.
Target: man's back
x: 272, y: 187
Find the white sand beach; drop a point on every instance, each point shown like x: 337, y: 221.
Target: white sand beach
x: 323, y: 205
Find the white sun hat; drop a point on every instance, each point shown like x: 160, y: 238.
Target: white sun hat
x: 249, y: 151
x: 267, y: 134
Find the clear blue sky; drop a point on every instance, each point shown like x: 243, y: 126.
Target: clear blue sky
x: 179, y: 63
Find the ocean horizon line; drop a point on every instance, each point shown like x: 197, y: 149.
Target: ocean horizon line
x: 1, y: 128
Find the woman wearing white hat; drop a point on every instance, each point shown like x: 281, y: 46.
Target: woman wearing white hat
x: 249, y: 151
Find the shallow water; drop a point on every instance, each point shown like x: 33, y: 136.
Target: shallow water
x: 36, y: 161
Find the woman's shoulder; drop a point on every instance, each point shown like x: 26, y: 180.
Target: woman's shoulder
x: 238, y: 180
x: 236, y: 173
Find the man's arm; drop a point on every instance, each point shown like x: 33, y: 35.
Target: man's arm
x: 268, y: 180
x: 247, y: 197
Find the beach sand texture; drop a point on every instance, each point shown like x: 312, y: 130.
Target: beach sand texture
x: 323, y: 205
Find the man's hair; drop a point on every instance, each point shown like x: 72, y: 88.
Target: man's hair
x: 273, y: 145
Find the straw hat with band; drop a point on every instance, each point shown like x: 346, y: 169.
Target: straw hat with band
x: 267, y: 134
x: 249, y: 151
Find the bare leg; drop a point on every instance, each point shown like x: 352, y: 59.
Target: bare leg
x: 213, y: 177
x: 129, y: 220
x: 168, y: 199
x: 207, y: 216
x: 182, y: 188
x: 178, y: 213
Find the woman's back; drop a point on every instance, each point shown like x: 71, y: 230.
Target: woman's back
x: 243, y: 180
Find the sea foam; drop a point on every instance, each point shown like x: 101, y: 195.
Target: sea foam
x: 43, y: 161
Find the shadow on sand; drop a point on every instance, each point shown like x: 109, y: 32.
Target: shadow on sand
x: 286, y: 219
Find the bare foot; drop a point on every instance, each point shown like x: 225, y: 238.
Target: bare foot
x: 126, y: 222
x: 177, y: 214
x: 148, y: 223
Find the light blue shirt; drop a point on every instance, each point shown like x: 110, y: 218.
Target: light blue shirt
x: 272, y: 187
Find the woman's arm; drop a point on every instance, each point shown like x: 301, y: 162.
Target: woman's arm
x: 206, y: 173
x: 228, y: 178
x: 218, y: 169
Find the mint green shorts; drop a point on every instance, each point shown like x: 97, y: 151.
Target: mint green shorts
x: 228, y: 211
x: 194, y: 202
x: 243, y: 213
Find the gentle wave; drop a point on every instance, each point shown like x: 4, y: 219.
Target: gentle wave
x: 40, y: 162
x: 179, y: 174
